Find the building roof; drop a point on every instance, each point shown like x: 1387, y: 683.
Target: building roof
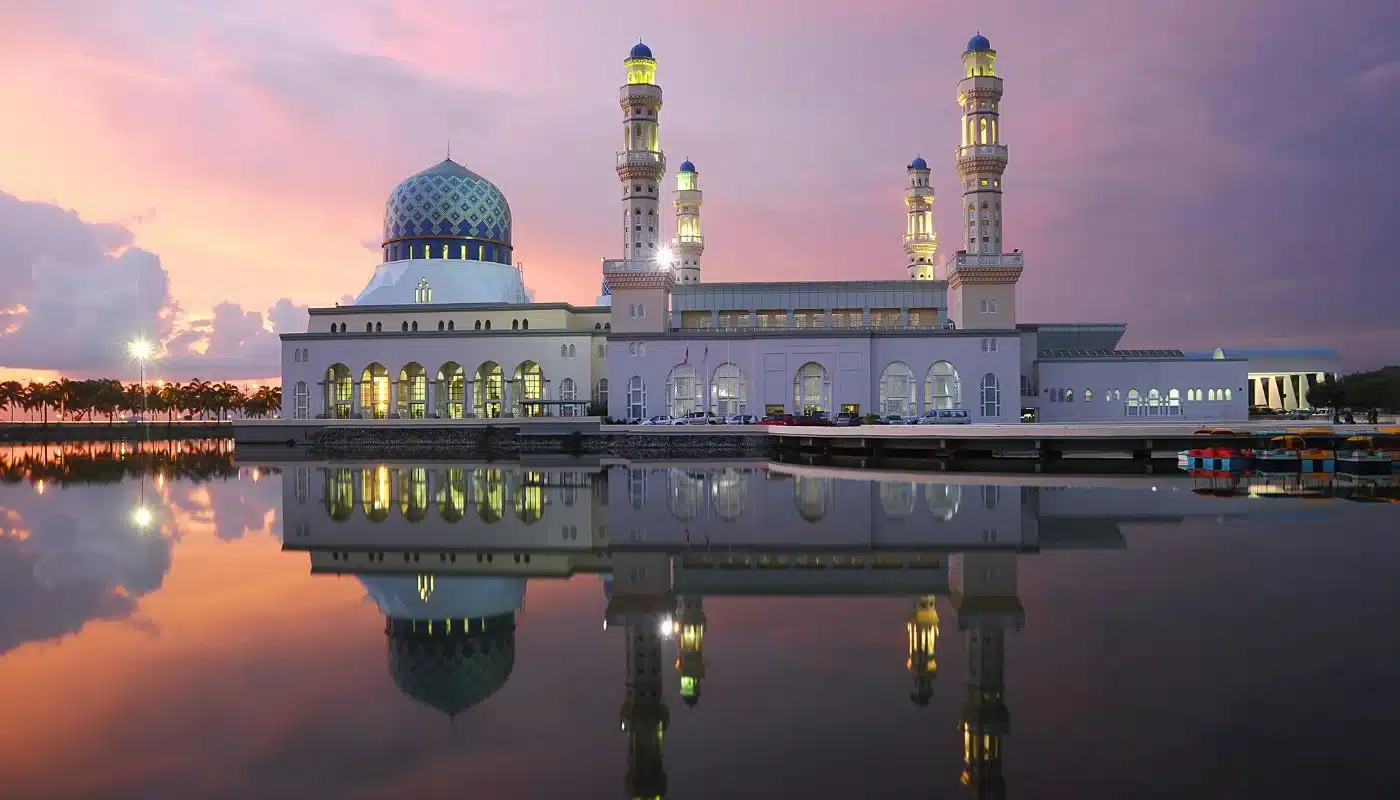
x: 1061, y: 353
x: 1077, y: 335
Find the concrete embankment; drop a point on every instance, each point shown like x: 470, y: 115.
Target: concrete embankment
x: 34, y: 432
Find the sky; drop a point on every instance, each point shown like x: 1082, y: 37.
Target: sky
x: 200, y: 172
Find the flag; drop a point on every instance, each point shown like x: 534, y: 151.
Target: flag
x: 706, y: 358
x: 686, y: 360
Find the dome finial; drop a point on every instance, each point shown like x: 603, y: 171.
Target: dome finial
x: 449, y: 148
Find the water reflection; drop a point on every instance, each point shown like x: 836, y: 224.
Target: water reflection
x: 450, y: 585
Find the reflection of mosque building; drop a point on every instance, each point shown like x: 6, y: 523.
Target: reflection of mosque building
x: 445, y: 551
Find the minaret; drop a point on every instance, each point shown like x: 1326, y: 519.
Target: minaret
x: 985, y: 599
x: 689, y: 243
x: 640, y: 162
x: 920, y: 242
x: 982, y: 157
x: 923, y: 644
x: 981, y: 277
x: 691, y: 661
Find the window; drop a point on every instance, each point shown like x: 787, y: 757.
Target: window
x: 404, y: 327
x: 525, y: 324
x: 488, y: 324
x: 1174, y: 398
x: 989, y: 345
x: 600, y: 392
x: 442, y: 325
x: 567, y: 395
x: 563, y: 351
x: 641, y: 311
x: 602, y: 352
x: 302, y: 408
x: 378, y: 327
x: 515, y: 324
x: 809, y: 388
x: 727, y: 391
x: 991, y: 396
x: 636, y: 398
x: 632, y: 310
x: 1211, y: 395
x: 682, y: 391
x: 332, y: 327
x: 572, y: 351
x: 451, y: 325
x: 1088, y: 395
x: 369, y: 327
x: 478, y: 324
x: 1227, y: 394
x: 897, y: 389
x: 414, y: 326
x: 942, y: 388
x: 631, y: 348
x: 989, y: 305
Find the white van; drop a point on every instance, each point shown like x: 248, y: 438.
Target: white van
x: 946, y: 416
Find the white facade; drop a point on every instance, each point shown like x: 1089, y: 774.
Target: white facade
x: 442, y: 329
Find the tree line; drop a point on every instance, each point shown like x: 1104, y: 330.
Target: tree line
x: 89, y: 400
x: 1378, y: 390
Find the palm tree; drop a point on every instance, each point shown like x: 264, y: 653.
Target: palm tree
x: 11, y: 395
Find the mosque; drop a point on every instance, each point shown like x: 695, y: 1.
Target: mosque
x: 445, y: 328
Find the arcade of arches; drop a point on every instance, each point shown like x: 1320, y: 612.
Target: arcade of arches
x: 450, y: 393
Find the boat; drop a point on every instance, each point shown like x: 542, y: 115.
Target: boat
x: 1365, y: 456
x: 1213, y: 459
x: 1282, y: 455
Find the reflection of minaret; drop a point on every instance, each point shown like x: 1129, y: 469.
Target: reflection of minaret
x: 691, y: 661
x: 985, y: 598
x: 640, y: 600
x: 923, y: 641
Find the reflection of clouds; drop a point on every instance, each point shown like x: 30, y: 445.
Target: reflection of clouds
x: 74, y: 562
x: 68, y: 556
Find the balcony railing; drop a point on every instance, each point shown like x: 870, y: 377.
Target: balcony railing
x: 989, y: 260
x: 1151, y: 411
x: 641, y: 158
x: 618, y: 266
x: 920, y: 238
x: 982, y: 151
x: 690, y: 239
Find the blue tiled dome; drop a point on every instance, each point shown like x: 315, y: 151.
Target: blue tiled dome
x: 447, y: 200
x: 918, y: 163
x: 687, y: 166
x: 978, y: 44
x: 640, y: 50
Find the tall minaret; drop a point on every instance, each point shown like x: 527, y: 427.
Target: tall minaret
x: 920, y: 242
x: 982, y: 157
x: 690, y: 242
x: 640, y: 599
x: 981, y: 275
x: 640, y: 162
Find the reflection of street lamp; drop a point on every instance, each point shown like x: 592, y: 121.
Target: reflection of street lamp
x: 141, y: 517
x: 141, y: 350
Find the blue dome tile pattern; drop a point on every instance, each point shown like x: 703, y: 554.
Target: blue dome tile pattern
x: 640, y: 50
x: 978, y: 44
x: 447, y: 200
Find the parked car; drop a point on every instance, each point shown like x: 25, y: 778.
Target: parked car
x: 778, y: 419
x: 695, y: 418
x: 946, y: 416
x: 815, y: 419
x: 847, y: 420
x: 659, y: 419
x: 741, y: 419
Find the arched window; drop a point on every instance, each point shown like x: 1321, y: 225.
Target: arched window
x: 636, y: 398
x: 991, y: 396
x: 1227, y: 394
x: 1210, y: 395
x: 528, y: 388
x: 488, y: 324
x: 809, y: 388
x: 991, y: 496
x: 478, y: 324
x: 897, y: 498
x: 1134, y: 399
x: 1174, y: 398
x: 897, y: 389
x: 563, y: 351
x: 369, y: 327
x: 451, y: 325
x: 943, y: 500
x: 340, y: 391
x: 342, y: 327
x: 632, y: 310
x: 597, y: 326
x: 600, y: 392
x: 572, y: 351
x: 1088, y: 395
x: 413, y: 326
x: 332, y: 327
x: 727, y: 391
x: 378, y: 327
x: 413, y: 391
x: 1154, y: 397
x: 515, y: 324
x: 301, y: 408
x: 525, y: 324
x: 488, y: 391
x: 942, y: 389
x: 442, y: 325
x: 682, y: 391
x: 450, y: 391
x: 567, y: 394
x: 374, y: 392
x: 810, y: 496
x: 404, y: 327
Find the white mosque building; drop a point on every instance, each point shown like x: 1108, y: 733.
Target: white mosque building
x: 446, y: 330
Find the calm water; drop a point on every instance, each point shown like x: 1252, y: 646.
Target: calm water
x: 175, y: 625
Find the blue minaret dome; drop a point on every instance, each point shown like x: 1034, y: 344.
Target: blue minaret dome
x: 687, y: 166
x: 640, y: 50
x: 977, y: 44
x: 918, y: 163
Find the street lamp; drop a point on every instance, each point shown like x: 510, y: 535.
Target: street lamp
x: 141, y: 350
x: 665, y: 258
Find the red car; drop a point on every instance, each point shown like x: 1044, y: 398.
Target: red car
x: 778, y: 419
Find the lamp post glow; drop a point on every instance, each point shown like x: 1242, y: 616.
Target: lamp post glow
x: 664, y: 258
x: 141, y: 350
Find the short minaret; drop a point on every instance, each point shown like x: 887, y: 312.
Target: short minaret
x: 640, y: 163
x: 689, y: 243
x: 920, y: 242
x: 981, y: 277
x: 923, y: 645
x: 691, y: 661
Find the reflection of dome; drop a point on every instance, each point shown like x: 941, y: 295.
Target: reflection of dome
x: 403, y: 596
x: 978, y: 44
x: 447, y: 200
x: 448, y: 668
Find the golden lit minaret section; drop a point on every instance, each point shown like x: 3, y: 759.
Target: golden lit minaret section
x: 981, y: 275
x: 691, y: 661
x: 982, y: 157
x: 640, y: 163
x: 985, y: 599
x: 641, y: 601
x: 923, y: 644
x: 689, y: 244
x: 920, y: 242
